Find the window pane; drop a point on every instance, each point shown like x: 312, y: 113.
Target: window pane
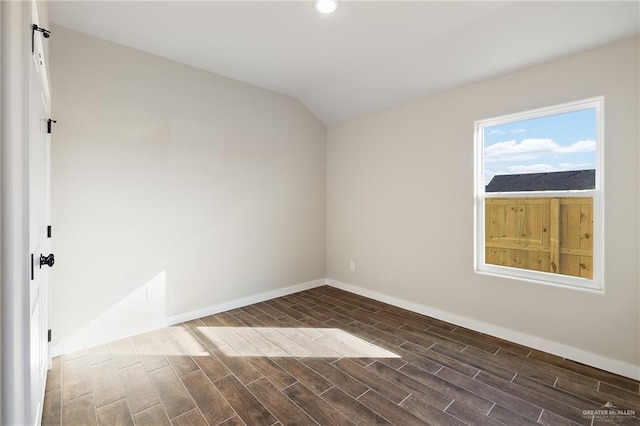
x: 556, y: 152
x: 544, y: 234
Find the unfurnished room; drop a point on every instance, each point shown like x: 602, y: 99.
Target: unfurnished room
x: 319, y: 212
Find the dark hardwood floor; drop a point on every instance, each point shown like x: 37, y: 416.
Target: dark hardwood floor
x: 329, y: 357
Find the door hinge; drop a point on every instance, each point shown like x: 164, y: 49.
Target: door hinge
x: 49, y: 335
x: 32, y: 272
x: 49, y: 231
x: 49, y: 122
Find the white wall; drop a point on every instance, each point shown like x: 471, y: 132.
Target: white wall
x: 1, y: 280
x: 201, y: 188
x: 638, y: 190
x: 400, y: 204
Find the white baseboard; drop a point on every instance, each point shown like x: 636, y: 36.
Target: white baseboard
x: 244, y: 301
x: 615, y: 366
x: 55, y: 349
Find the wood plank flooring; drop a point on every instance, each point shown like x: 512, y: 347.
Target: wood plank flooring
x: 325, y: 356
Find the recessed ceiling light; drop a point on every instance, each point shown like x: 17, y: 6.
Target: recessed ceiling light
x: 326, y: 6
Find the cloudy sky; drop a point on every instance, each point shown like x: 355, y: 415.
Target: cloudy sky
x: 547, y: 144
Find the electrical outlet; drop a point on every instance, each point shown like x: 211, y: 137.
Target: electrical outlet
x: 352, y: 266
x: 149, y: 294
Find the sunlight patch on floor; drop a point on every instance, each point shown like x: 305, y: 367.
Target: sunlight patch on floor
x: 291, y: 342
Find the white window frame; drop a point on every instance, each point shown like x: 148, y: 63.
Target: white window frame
x: 546, y: 278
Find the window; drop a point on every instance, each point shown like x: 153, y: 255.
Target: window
x: 539, y: 195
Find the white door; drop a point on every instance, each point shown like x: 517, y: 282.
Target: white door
x: 39, y: 220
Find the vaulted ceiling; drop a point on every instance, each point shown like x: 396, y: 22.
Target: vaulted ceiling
x: 368, y: 55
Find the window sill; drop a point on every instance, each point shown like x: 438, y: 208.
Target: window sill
x: 542, y: 278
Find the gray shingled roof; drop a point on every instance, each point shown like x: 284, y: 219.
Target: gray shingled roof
x: 553, y: 181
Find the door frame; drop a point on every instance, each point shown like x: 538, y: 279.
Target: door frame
x: 15, y: 259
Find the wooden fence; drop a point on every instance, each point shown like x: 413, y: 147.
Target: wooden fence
x: 541, y: 234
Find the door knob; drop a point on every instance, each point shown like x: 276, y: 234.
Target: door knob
x: 47, y: 260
